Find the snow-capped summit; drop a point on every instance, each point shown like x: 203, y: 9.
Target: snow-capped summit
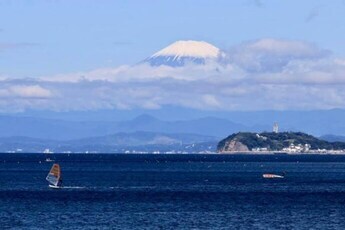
x: 181, y: 49
x: 182, y: 52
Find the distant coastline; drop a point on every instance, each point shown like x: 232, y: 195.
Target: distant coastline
x: 278, y: 143
x: 328, y: 152
x: 224, y: 153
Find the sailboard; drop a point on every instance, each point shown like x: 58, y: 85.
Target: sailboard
x: 271, y: 176
x: 54, y: 177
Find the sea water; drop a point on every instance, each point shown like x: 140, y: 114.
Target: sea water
x: 128, y: 191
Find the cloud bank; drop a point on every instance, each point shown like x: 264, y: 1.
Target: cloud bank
x: 256, y: 75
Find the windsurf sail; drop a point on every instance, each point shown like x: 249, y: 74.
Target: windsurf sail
x: 54, y: 175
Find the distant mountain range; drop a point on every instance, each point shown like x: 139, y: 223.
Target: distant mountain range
x: 333, y: 138
x: 75, y: 125
x: 116, y: 143
x: 66, y: 130
x: 143, y: 133
x: 57, y: 129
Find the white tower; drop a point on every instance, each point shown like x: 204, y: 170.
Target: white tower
x: 275, y: 127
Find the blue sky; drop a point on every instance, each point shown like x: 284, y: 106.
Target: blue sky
x: 67, y: 55
x: 59, y: 36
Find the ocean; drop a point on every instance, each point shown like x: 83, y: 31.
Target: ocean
x: 148, y: 191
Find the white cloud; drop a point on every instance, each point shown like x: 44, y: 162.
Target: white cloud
x: 16, y: 96
x: 25, y: 91
x: 272, y: 55
x: 144, y: 72
x: 263, y: 74
x: 211, y: 100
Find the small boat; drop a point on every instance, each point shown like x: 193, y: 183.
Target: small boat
x: 49, y: 160
x: 271, y: 176
x: 54, y: 177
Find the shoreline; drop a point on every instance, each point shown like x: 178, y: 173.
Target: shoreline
x: 316, y: 152
x: 248, y: 153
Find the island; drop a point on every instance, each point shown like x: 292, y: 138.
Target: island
x: 274, y: 142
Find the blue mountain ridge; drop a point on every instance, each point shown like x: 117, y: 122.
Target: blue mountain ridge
x: 42, y: 130
x: 66, y: 130
x: 73, y: 125
x: 119, y: 142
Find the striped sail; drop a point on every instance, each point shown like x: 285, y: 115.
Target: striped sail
x: 54, y: 175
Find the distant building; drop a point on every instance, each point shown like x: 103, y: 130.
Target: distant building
x: 297, y: 148
x: 47, y: 151
x: 275, y: 127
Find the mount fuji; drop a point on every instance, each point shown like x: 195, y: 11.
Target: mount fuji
x: 180, y: 53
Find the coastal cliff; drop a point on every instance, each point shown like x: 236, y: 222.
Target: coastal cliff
x: 270, y: 141
x: 232, y: 145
